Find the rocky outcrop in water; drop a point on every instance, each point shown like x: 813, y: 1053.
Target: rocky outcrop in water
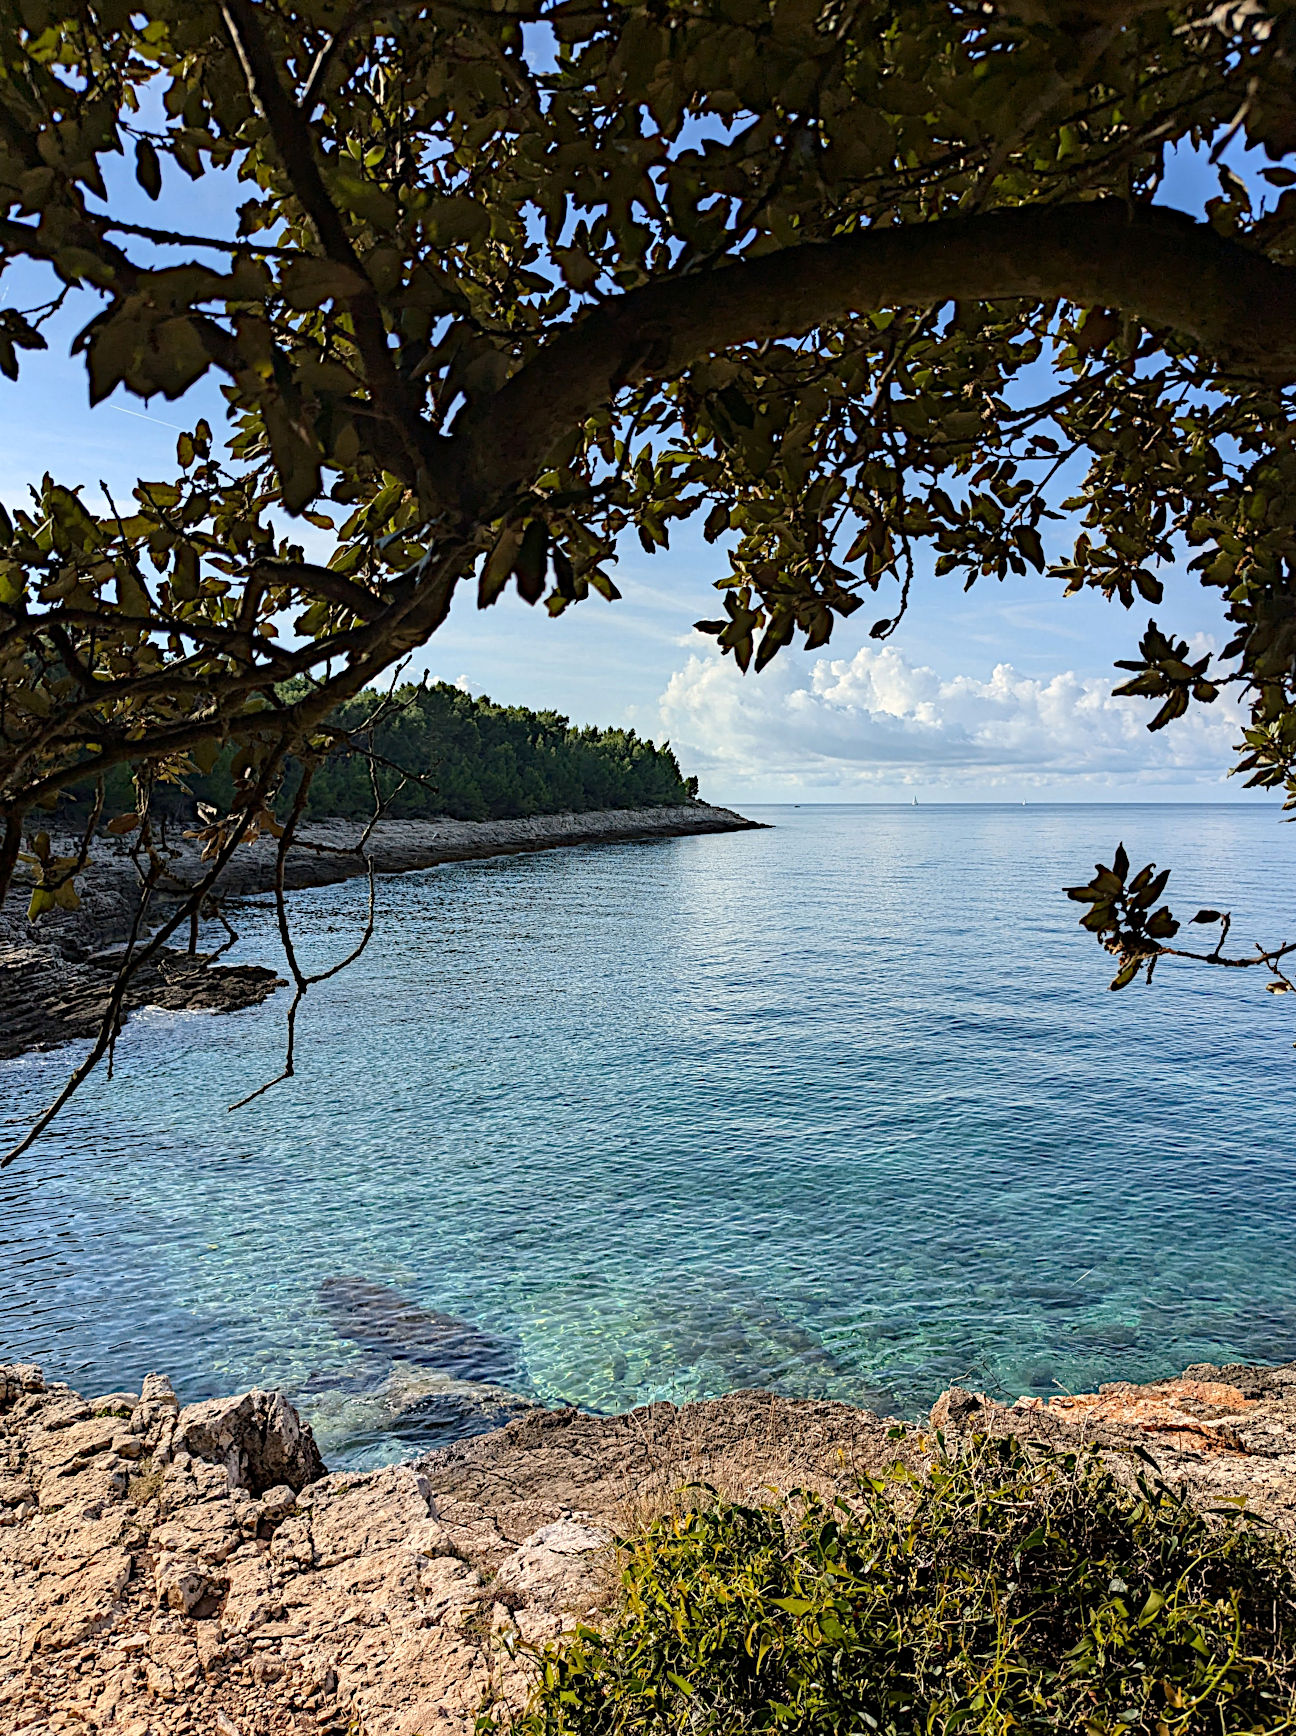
x: 153, y: 1580
x: 56, y: 975
x: 47, y: 1000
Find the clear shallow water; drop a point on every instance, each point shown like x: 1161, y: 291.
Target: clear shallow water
x: 841, y: 1108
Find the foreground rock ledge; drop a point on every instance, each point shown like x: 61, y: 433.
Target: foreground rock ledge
x: 197, y: 1570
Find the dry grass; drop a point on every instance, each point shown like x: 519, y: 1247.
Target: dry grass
x: 145, y: 1485
x: 759, y: 1469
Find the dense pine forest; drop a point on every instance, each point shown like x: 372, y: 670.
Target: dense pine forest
x: 475, y: 760
x: 439, y: 751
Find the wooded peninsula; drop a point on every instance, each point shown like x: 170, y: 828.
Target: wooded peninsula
x: 436, y: 751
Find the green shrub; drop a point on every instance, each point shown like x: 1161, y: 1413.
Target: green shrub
x: 1002, y: 1590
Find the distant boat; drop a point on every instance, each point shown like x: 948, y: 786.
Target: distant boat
x: 915, y: 801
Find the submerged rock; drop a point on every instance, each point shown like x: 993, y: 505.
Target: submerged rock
x: 423, y: 1407
x: 686, y: 1339
x: 378, y: 1318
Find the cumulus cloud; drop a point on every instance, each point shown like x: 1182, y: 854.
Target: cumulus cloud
x: 878, y: 718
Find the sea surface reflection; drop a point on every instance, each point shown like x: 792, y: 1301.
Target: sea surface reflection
x: 840, y: 1108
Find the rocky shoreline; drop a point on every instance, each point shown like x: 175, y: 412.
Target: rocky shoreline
x: 169, y: 1571
x: 56, y: 975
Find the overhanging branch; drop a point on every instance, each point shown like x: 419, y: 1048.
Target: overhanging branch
x: 1158, y: 265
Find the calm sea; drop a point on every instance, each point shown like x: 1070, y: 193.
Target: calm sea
x: 839, y: 1108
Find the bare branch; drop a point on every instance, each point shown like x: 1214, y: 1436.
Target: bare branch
x: 133, y: 962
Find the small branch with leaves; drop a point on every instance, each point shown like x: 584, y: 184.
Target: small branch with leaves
x: 1129, y: 923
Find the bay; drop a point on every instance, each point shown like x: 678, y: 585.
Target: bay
x: 841, y: 1108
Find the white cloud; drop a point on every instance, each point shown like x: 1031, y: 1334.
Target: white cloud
x: 876, y: 718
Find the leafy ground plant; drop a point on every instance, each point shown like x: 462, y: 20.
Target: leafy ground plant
x: 998, y: 1590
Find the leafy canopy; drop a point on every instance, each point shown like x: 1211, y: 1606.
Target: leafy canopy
x: 510, y: 278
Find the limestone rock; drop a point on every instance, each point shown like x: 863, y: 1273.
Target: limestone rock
x: 17, y: 1378
x: 555, y: 1562
x: 359, y: 1516
x: 259, y: 1439
x: 184, y: 1582
x: 957, y: 1409
x: 157, y: 1389
x: 560, y: 1575
x: 1223, y: 1434
x: 253, y: 1598
x: 114, y: 1404
x: 214, y: 1596
x: 274, y: 1506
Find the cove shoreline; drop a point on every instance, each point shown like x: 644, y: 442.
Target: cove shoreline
x: 56, y: 974
x: 170, y: 1570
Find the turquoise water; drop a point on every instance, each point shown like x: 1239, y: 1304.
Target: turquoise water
x: 842, y: 1107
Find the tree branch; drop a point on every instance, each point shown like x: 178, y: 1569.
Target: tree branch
x: 1159, y: 265
x: 324, y: 582
x: 295, y: 144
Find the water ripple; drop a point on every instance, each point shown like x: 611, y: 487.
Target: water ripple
x: 840, y: 1108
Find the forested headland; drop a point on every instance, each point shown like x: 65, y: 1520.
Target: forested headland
x: 436, y: 750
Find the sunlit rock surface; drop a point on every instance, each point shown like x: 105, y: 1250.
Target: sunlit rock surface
x: 194, y: 1569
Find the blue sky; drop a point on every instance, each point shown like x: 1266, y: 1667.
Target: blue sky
x: 1000, y: 694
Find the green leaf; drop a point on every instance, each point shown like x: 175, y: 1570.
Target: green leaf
x: 309, y: 283
x: 296, y: 456
x: 717, y: 522
x: 579, y: 271
x: 132, y: 598
x: 498, y: 566
x: 531, y: 559
x: 1028, y: 541
x: 176, y: 356
x: 1126, y: 974
x: 65, y: 897
x: 365, y: 198
x: 148, y: 170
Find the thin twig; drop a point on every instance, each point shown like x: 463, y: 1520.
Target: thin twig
x: 302, y: 982
x: 132, y: 963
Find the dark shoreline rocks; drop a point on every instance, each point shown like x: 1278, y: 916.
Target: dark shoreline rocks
x: 56, y: 975
x: 169, y: 1571
x: 47, y: 1000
